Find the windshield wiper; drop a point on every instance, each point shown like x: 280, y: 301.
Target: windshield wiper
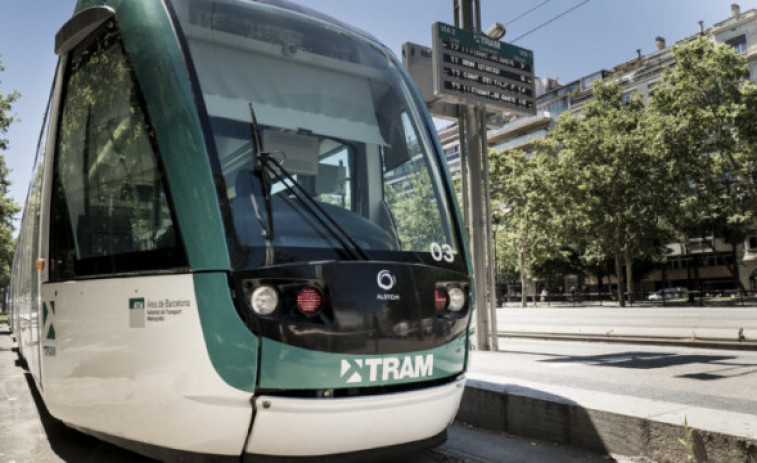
x: 311, y: 205
x: 265, y: 159
x: 267, y: 228
x: 257, y: 145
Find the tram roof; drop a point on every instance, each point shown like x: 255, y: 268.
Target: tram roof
x: 289, y: 5
x: 285, y: 4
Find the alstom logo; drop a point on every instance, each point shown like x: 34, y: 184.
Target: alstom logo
x: 371, y: 370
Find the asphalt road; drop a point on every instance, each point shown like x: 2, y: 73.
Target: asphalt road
x: 723, y: 323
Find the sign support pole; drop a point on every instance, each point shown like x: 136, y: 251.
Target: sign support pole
x: 469, y: 76
x: 489, y: 241
x: 473, y: 129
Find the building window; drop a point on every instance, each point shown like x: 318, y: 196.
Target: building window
x: 700, y: 244
x: 588, y: 80
x: 752, y: 237
x: 738, y: 43
x: 557, y: 107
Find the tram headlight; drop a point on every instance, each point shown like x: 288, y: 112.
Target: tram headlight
x: 456, y: 299
x: 264, y: 300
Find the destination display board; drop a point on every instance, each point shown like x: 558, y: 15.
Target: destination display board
x: 471, y: 67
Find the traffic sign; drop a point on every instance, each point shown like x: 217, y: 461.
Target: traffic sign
x: 473, y: 68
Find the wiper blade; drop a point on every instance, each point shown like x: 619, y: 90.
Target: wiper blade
x: 257, y: 145
x: 312, y: 206
x: 265, y: 159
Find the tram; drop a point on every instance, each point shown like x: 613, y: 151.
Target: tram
x: 240, y: 240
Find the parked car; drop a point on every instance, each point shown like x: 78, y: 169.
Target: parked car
x: 732, y: 293
x: 670, y: 293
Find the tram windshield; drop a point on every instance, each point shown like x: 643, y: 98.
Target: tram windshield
x: 332, y: 110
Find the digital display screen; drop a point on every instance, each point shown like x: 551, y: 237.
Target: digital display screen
x: 472, y: 67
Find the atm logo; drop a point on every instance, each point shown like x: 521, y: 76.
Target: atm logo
x: 373, y: 369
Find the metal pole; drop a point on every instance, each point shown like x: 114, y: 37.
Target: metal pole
x: 489, y: 239
x: 478, y: 229
x: 487, y: 212
x: 464, y: 175
x: 480, y: 225
x: 465, y: 10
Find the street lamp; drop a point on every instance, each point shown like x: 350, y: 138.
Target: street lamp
x: 496, y: 31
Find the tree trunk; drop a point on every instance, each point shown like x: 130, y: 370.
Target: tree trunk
x: 629, y: 275
x: 696, y: 276
x: 523, y: 279
x: 619, y: 277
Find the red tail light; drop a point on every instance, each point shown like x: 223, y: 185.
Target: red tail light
x: 441, y: 299
x: 310, y: 300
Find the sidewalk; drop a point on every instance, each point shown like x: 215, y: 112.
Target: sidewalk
x: 707, y: 327
x: 625, y: 400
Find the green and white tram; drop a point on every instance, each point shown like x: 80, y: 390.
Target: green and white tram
x: 240, y: 241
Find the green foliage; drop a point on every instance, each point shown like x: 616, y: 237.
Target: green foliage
x: 687, y: 440
x: 620, y: 179
x: 8, y: 209
x: 704, y: 122
x: 703, y: 119
x: 616, y: 183
x: 590, y: 190
x: 693, y: 443
x: 523, y: 203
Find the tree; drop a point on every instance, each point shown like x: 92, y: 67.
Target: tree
x: 613, y: 185
x: 704, y: 119
x: 522, y: 194
x: 8, y: 209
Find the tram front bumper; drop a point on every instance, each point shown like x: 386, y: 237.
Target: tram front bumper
x: 286, y: 427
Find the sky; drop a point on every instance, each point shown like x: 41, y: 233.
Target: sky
x: 597, y: 34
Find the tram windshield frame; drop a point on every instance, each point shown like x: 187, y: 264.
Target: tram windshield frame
x: 335, y: 109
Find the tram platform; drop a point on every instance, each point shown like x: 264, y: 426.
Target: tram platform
x: 651, y: 403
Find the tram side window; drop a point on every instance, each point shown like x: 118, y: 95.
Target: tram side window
x: 110, y: 210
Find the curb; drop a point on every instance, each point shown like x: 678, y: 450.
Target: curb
x: 552, y: 418
x: 698, y: 343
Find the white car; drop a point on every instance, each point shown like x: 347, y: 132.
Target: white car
x: 670, y: 293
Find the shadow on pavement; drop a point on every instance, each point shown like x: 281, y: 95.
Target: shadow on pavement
x: 650, y: 360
